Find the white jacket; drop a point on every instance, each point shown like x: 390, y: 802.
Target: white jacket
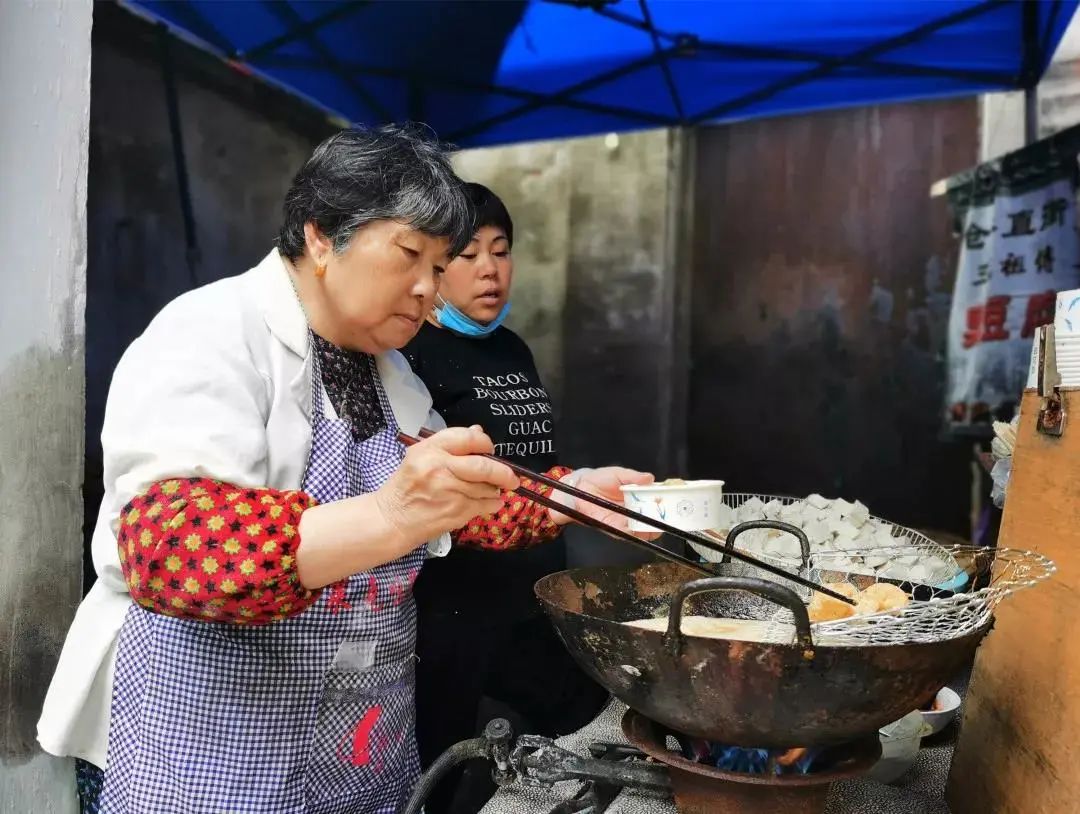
x: 219, y: 385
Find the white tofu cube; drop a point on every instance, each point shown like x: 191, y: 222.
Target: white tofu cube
x: 830, y: 543
x: 845, y: 531
x: 753, y: 504
x: 919, y: 573
x: 866, y: 537
x: 786, y: 546
x: 744, y: 514
x: 818, y: 532
x: 939, y: 568
x: 725, y: 518
x: 841, y: 563
x: 884, y: 536
x: 858, y: 515
x: 752, y: 541
x: 848, y: 544
x: 894, y: 570
x: 791, y: 512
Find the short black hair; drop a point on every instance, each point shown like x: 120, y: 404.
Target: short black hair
x: 489, y: 210
x: 394, y: 172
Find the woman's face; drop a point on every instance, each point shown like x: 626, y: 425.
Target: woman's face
x: 377, y: 292
x: 477, y: 282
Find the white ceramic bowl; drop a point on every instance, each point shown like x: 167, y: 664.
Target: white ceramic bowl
x: 938, y: 719
x: 900, y: 742
x: 689, y: 506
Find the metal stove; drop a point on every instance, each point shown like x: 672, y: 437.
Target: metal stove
x: 604, y: 741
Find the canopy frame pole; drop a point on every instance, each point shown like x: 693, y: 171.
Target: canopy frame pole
x: 292, y: 19
x: 335, y: 15
x: 856, y: 59
x: 766, y: 52
x: 664, y: 64
x: 876, y: 66
x: 449, y: 81
x: 192, y: 18
x: 1048, y: 31
x: 1032, y: 61
x: 565, y: 93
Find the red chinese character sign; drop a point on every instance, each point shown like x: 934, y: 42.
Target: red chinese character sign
x: 1020, y: 247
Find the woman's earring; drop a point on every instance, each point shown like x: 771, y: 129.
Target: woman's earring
x: 320, y: 270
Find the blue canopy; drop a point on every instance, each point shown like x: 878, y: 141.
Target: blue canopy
x: 483, y: 72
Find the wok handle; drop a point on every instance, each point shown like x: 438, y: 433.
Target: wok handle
x: 800, y: 535
x: 763, y: 588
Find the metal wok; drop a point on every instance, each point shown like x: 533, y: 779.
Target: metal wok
x: 736, y: 692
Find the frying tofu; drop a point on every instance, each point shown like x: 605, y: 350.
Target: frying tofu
x: 876, y: 598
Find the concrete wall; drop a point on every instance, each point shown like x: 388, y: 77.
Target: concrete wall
x: 243, y: 143
x: 821, y: 288
x: 816, y: 287
x: 595, y: 280
x: 1002, y: 114
x: 598, y: 238
x: 45, y: 96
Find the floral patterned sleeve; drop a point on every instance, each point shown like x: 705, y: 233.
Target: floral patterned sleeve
x: 203, y: 549
x: 520, y: 523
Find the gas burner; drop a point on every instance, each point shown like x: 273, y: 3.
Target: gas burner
x: 649, y: 767
x: 801, y: 760
x: 536, y: 761
x: 700, y: 788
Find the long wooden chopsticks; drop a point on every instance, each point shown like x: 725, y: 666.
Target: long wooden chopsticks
x: 585, y: 520
x: 625, y: 536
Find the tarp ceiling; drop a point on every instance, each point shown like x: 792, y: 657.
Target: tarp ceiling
x: 482, y: 72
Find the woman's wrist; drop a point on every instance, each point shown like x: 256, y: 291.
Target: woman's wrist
x: 344, y: 537
x: 564, y: 499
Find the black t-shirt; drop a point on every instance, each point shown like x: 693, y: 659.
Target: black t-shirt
x: 492, y: 382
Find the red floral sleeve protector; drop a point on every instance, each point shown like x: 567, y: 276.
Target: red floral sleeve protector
x: 520, y: 523
x: 202, y: 549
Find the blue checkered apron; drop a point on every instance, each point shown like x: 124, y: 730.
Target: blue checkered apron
x: 312, y: 715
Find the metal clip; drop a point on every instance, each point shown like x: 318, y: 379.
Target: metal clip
x: 1051, y: 418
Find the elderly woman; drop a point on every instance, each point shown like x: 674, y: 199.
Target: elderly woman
x: 249, y: 644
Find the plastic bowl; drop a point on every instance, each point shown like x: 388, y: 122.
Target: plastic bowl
x: 938, y: 719
x: 954, y: 584
x: 900, y: 742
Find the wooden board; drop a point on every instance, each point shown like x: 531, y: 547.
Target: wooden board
x: 1019, y: 745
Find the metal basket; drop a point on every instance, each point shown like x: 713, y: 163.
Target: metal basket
x: 935, y: 614
x: 938, y: 608
x: 949, y: 576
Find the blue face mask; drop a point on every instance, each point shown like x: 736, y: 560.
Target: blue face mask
x: 453, y: 320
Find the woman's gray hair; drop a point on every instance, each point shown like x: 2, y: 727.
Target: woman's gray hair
x: 395, y: 172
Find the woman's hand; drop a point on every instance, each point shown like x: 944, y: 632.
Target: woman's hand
x: 603, y: 482
x: 443, y: 483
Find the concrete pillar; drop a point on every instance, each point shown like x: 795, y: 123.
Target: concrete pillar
x: 45, y: 96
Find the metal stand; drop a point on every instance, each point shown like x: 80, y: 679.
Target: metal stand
x: 537, y: 761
